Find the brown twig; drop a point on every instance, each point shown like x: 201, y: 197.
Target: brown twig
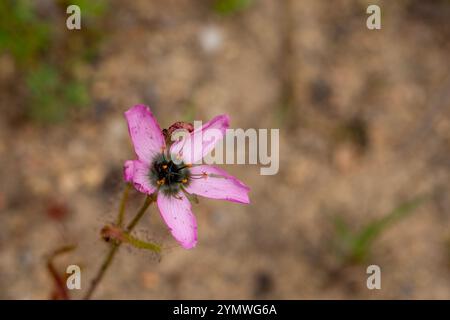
x: 60, y: 290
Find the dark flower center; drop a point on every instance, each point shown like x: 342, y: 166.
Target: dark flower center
x: 168, y: 176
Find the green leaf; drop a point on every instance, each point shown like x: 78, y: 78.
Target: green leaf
x: 362, y: 241
x: 141, y: 244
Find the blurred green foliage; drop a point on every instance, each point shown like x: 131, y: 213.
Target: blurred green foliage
x: 355, y: 246
x: 22, y: 33
x: 227, y: 7
x: 49, y: 57
x: 89, y: 8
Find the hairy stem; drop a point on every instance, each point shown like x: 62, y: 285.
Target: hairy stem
x: 116, y: 244
x: 123, y: 202
x: 140, y: 213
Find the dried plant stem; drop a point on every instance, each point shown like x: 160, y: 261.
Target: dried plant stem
x: 116, y: 245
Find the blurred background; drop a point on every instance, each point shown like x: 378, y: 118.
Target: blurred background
x: 364, y: 119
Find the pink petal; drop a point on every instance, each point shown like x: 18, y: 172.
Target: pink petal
x: 201, y: 141
x: 145, y: 132
x: 217, y: 184
x: 177, y: 214
x: 137, y: 172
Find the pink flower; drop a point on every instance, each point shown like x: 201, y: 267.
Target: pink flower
x: 155, y: 172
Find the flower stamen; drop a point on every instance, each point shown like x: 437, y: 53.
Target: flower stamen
x: 169, y: 176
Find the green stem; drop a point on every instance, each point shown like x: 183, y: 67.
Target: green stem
x: 140, y: 213
x: 115, y: 247
x: 122, y: 205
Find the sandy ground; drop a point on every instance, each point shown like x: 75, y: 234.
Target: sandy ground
x: 311, y: 69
